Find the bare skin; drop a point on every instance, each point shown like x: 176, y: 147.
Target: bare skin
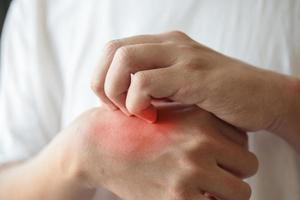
x: 136, y: 70
x: 187, y: 154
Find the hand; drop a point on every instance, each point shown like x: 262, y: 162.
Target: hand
x: 171, y: 66
x: 187, y: 153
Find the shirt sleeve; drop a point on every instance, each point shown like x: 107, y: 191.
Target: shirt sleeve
x: 31, y: 83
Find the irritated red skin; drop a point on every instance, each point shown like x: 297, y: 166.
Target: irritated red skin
x: 125, y: 136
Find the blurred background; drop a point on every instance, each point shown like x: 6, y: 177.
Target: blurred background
x: 4, y: 4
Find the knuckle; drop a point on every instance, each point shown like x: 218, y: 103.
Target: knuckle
x: 96, y: 86
x: 99, y: 90
x: 100, y: 93
x: 178, y: 33
x: 188, y: 164
x: 140, y: 81
x: 177, y: 191
x: 112, y: 46
x: 124, y: 54
x: 206, y: 145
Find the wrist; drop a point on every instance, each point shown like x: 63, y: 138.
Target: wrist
x: 60, y: 158
x: 287, y: 118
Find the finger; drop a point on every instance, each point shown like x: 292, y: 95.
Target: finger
x: 175, y: 36
x: 236, y: 159
x: 145, y: 85
x: 100, y: 72
x: 189, y: 190
x: 234, y: 134
x: 129, y: 60
x: 223, y: 185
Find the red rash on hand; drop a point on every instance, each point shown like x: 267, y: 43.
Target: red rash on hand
x: 127, y: 136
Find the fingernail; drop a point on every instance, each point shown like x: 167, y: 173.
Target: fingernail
x: 149, y: 115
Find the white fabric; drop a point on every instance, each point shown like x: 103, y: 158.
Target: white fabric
x: 50, y: 48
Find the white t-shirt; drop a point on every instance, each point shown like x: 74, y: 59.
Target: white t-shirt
x: 50, y: 48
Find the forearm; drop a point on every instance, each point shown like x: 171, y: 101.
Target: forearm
x: 43, y: 177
